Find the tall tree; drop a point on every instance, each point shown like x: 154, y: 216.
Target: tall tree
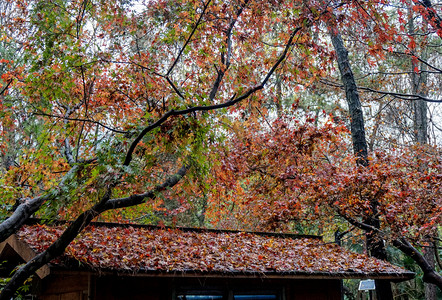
x: 96, y: 97
x: 375, y: 243
x: 125, y: 106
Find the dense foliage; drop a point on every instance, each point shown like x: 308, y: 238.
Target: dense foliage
x: 226, y: 114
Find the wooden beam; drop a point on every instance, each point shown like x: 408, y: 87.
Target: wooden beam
x: 25, y: 252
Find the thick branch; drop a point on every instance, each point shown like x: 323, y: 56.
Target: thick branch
x: 23, y: 212
x: 28, y: 207
x: 54, y: 250
x: 83, y: 220
x: 430, y: 275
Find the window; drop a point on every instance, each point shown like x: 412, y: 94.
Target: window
x: 227, y: 294
x: 255, y: 296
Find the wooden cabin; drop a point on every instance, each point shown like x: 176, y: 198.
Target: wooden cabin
x: 113, y: 261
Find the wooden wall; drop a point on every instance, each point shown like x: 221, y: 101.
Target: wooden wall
x: 80, y: 286
x: 64, y: 287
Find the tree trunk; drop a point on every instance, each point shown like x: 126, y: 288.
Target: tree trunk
x: 420, y: 125
x: 430, y: 288
x: 418, y: 83
x: 375, y: 243
x: 354, y: 104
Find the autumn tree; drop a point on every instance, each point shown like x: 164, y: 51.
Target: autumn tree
x: 121, y: 104
x: 124, y: 100
x: 278, y: 181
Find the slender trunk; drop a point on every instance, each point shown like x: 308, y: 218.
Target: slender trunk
x: 420, y: 125
x: 278, y: 101
x: 430, y: 288
x: 375, y: 243
x: 418, y: 83
x: 354, y: 104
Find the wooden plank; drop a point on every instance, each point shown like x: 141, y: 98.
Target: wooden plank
x: 50, y: 297
x: 66, y: 284
x: 25, y: 252
x: 72, y: 296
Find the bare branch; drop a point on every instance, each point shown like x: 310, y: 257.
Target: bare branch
x: 188, y: 39
x: 229, y: 103
x: 402, y: 96
x: 83, y: 120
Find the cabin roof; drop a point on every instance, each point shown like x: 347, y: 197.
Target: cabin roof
x: 151, y: 250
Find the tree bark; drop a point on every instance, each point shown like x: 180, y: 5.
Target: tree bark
x: 375, y: 243
x: 28, y: 207
x: 360, y: 147
x: 420, y: 125
x: 83, y: 220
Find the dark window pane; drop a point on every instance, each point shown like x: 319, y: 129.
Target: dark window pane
x: 255, y: 297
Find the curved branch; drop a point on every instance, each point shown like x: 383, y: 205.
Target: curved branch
x: 430, y: 275
x: 229, y: 103
x: 401, y: 243
x: 402, y: 96
x: 189, y: 38
x: 28, y: 207
x: 58, y: 247
x: 410, y: 97
x: 83, y: 120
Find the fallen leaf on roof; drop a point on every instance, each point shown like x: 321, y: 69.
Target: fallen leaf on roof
x: 172, y: 250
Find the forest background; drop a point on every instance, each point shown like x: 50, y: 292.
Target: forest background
x: 319, y: 117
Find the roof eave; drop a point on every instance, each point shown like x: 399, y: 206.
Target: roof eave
x: 24, y: 251
x: 396, y: 277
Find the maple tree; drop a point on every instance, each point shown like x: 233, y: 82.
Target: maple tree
x: 94, y: 93
x: 369, y: 214
x: 314, y: 178
x: 112, y: 105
